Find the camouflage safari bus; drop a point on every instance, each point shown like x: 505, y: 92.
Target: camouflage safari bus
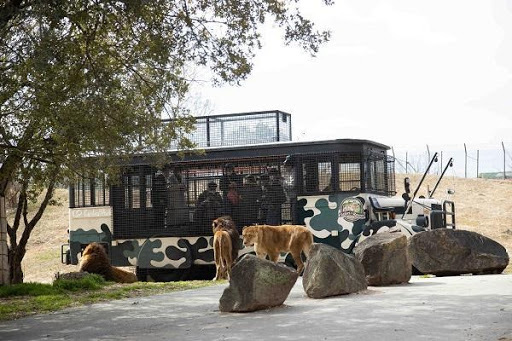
x: 159, y: 220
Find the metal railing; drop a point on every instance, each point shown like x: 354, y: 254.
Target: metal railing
x: 240, y: 129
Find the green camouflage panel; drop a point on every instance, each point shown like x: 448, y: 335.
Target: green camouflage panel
x: 337, y: 220
x: 341, y: 220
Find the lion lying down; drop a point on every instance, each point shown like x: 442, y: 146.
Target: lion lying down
x: 95, y: 260
x: 271, y: 240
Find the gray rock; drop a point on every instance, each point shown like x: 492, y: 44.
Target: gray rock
x: 257, y: 284
x: 385, y: 259
x: 453, y: 252
x: 331, y: 272
x: 71, y: 275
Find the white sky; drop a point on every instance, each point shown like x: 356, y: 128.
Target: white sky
x: 404, y: 73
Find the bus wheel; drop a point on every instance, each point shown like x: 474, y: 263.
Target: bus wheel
x: 168, y: 275
x: 201, y: 272
x: 67, y: 257
x: 142, y: 274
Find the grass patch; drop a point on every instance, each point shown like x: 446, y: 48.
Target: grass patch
x: 26, y: 299
x: 89, y: 282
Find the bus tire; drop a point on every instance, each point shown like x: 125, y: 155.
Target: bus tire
x: 142, y: 274
x: 67, y: 257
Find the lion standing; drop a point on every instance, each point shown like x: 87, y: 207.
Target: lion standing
x: 222, y: 248
x: 271, y: 240
x: 226, y: 223
x: 95, y: 260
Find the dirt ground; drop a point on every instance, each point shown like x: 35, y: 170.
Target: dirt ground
x: 481, y: 205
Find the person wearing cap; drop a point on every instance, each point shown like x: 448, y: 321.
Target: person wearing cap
x: 209, y: 206
x: 211, y: 193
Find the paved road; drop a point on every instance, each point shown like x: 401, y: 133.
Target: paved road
x: 444, y: 308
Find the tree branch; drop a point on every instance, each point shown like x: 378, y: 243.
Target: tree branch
x: 9, y: 10
x: 29, y: 226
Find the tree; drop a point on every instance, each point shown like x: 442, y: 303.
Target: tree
x: 93, y: 78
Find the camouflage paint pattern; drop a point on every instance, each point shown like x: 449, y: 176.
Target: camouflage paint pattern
x: 338, y: 220
x: 92, y: 224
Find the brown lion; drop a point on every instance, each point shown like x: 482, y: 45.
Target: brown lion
x: 222, y: 248
x: 271, y: 240
x: 95, y: 260
x: 226, y: 223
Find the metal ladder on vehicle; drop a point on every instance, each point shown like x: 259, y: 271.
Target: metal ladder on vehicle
x: 447, y: 204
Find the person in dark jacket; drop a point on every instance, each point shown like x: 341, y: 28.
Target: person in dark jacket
x: 207, y: 211
x: 159, y: 199
x: 210, y: 191
x: 274, y: 197
x: 251, y: 200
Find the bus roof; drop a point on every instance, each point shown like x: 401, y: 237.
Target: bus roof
x: 270, y: 149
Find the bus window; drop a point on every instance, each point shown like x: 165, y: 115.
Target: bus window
x: 149, y: 186
x: 310, y: 177
x: 325, y: 176
x: 135, y: 192
x: 350, y: 176
x: 317, y: 176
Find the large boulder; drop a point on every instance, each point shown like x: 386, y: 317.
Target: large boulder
x: 257, y: 284
x: 385, y: 258
x: 331, y: 272
x: 453, y: 252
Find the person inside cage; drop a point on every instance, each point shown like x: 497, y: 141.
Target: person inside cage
x: 210, y: 192
x: 230, y: 176
x: 177, y: 212
x: 274, y: 197
x: 251, y: 194
x: 159, y: 198
x: 209, y: 206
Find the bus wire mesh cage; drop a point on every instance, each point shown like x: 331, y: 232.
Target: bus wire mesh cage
x: 260, y: 184
x: 240, y: 129
x: 183, y: 198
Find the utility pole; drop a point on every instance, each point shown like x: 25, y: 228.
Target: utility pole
x: 477, y: 162
x: 406, y: 164
x: 428, y: 154
x: 504, y: 160
x: 465, y: 161
x: 441, y: 165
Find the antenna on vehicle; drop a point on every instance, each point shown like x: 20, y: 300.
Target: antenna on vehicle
x: 449, y: 164
x: 434, y: 159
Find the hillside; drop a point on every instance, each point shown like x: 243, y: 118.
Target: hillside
x: 481, y: 205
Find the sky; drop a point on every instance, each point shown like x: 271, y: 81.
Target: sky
x: 408, y: 74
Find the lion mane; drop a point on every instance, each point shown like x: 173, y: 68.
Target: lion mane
x: 226, y: 223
